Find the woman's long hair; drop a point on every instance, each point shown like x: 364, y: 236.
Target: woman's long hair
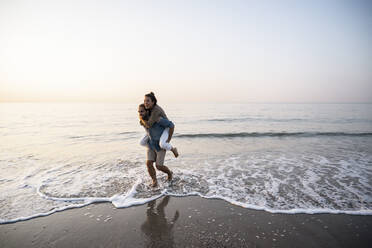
x: 152, y: 96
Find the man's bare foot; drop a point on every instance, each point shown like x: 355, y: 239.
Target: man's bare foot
x: 154, y: 184
x: 170, y: 176
x: 175, y: 152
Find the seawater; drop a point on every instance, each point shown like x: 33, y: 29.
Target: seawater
x: 285, y: 158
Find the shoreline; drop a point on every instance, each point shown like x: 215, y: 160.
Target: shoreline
x: 238, y: 204
x: 186, y: 222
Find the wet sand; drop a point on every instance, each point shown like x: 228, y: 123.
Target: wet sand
x: 186, y: 222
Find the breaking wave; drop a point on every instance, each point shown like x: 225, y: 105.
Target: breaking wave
x: 272, y: 134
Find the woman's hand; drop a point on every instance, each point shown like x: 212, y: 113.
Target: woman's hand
x: 144, y: 123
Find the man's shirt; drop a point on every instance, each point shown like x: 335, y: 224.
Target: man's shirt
x: 155, y: 132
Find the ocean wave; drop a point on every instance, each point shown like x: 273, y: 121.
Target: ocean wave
x: 271, y: 134
x: 253, y: 119
x: 133, y: 198
x: 289, y: 120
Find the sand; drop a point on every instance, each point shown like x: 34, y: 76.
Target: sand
x: 186, y: 222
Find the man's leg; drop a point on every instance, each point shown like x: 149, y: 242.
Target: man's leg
x: 151, y: 157
x: 160, y: 155
x: 152, y: 172
x: 165, y: 169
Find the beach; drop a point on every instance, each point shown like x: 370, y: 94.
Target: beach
x: 186, y: 222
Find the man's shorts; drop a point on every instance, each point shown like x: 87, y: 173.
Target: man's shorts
x: 157, y: 156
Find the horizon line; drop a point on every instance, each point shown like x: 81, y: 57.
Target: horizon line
x: 195, y: 102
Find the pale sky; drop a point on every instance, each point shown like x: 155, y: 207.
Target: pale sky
x: 186, y: 51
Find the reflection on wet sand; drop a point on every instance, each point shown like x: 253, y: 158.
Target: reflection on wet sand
x: 157, y: 228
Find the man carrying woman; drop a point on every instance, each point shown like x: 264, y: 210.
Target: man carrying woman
x: 159, y: 133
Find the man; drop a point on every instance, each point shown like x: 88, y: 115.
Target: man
x: 154, y: 152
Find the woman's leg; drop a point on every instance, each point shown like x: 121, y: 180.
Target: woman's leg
x: 163, y: 140
x: 165, y: 145
x: 144, y: 140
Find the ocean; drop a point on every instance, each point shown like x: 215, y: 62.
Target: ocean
x: 281, y: 158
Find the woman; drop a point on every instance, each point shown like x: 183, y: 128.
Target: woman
x: 155, y: 113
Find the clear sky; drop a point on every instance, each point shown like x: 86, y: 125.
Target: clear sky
x: 197, y: 51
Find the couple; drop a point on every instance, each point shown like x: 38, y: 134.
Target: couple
x: 159, y: 133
